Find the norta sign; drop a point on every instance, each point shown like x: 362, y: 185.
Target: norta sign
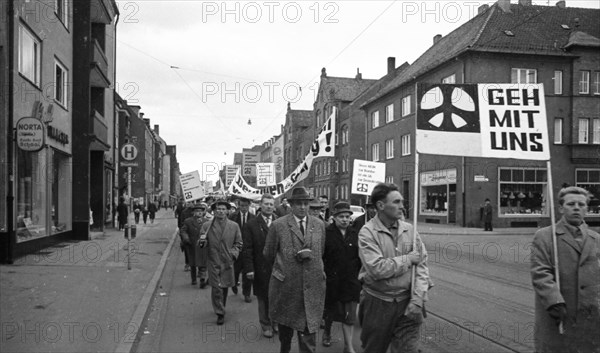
x: 31, y: 134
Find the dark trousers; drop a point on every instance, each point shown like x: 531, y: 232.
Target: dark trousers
x: 306, y: 341
x: 145, y: 215
x: 137, y: 217
x: 384, y: 324
x: 246, y: 283
x: 218, y: 297
x: 488, y: 226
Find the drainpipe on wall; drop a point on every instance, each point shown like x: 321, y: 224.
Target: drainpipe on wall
x: 464, y: 182
x: 10, y: 198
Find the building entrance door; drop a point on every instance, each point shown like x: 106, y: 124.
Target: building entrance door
x: 452, y: 203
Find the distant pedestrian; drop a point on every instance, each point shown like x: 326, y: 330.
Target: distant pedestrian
x: 145, y: 213
x: 122, y: 212
x: 224, y: 241
x: 388, y: 313
x: 295, y: 246
x: 487, y: 215
x: 152, y: 211
x: 342, y: 265
x: 137, y: 210
x: 325, y: 215
x: 242, y: 217
x: 315, y: 208
x: 576, y: 303
x: 257, y: 268
x: 190, y: 234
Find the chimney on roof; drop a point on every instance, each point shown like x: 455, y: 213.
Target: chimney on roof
x: 437, y: 38
x: 141, y: 115
x: 358, y: 74
x: 504, y: 5
x: 561, y: 4
x: 482, y: 8
x: 391, y: 61
x: 156, y: 129
x: 323, y: 72
x: 525, y: 2
x: 289, y: 107
x: 147, y: 121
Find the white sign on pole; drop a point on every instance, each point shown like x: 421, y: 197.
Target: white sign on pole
x: 191, y: 186
x: 265, y: 174
x: 249, y: 160
x: 230, y: 171
x: 366, y: 175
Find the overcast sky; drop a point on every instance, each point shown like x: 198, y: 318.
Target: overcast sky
x: 202, y: 69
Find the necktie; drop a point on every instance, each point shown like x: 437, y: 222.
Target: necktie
x: 301, y: 227
x: 268, y: 219
x: 243, y: 219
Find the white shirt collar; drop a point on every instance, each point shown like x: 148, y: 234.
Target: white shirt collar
x: 300, y: 219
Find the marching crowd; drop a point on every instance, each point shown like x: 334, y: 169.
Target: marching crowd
x: 310, y: 266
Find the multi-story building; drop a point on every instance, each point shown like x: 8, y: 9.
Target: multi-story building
x: 331, y: 176
x: 160, y: 175
x: 94, y: 51
x: 298, y: 137
x: 505, y: 43
x: 37, y: 74
x: 174, y: 172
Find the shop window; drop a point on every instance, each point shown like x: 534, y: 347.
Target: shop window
x: 31, y: 195
x: 60, y: 191
x: 435, y: 188
x: 589, y: 179
x: 523, y: 192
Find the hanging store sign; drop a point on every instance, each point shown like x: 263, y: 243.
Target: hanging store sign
x: 31, y: 134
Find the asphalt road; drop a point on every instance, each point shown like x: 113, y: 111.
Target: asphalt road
x: 482, y: 301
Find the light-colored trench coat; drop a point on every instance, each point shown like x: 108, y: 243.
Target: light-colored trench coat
x: 223, y: 249
x: 579, y: 271
x: 296, y: 289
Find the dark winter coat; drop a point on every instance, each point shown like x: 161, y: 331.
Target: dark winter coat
x: 152, y: 209
x: 237, y: 218
x: 223, y: 249
x: 122, y: 212
x: 296, y: 289
x: 254, y: 235
x: 190, y: 234
x: 487, y: 213
x: 579, y: 271
x: 342, y: 265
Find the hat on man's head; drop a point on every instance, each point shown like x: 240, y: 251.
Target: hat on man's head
x: 341, y: 207
x: 315, y: 205
x: 300, y: 194
x: 199, y: 206
x: 233, y: 205
x: 220, y: 202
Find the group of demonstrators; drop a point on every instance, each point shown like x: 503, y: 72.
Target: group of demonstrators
x: 310, y: 266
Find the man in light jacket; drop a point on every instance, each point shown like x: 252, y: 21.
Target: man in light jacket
x: 576, y: 303
x: 224, y: 241
x: 391, y: 312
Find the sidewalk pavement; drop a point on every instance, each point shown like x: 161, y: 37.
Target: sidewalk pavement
x: 79, y: 296
x: 451, y: 229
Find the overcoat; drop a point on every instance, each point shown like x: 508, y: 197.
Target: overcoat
x: 237, y: 218
x: 487, y: 213
x: 296, y: 289
x: 223, y: 249
x: 579, y: 271
x: 191, y: 230
x: 254, y: 235
x: 342, y: 265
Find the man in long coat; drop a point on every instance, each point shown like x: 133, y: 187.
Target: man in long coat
x: 190, y: 234
x: 576, y: 304
x: 224, y: 241
x: 295, y: 246
x: 241, y: 217
x: 257, y: 268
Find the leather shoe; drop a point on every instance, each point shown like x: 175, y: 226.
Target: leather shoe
x: 268, y: 333
x: 326, y: 340
x: 202, y: 283
x: 247, y: 299
x: 220, y: 319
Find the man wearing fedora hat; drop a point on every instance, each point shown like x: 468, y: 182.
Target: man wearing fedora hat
x: 295, y: 246
x: 342, y: 265
x: 190, y: 234
x: 370, y: 212
x: 223, y: 239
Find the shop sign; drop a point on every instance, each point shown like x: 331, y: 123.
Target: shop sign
x: 365, y: 175
x: 480, y: 178
x: 58, y: 135
x: 438, y: 177
x: 31, y: 134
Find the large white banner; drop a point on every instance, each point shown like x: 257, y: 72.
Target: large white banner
x: 323, y: 146
x: 278, y: 155
x: 483, y: 120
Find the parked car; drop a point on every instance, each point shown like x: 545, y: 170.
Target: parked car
x: 357, y: 211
